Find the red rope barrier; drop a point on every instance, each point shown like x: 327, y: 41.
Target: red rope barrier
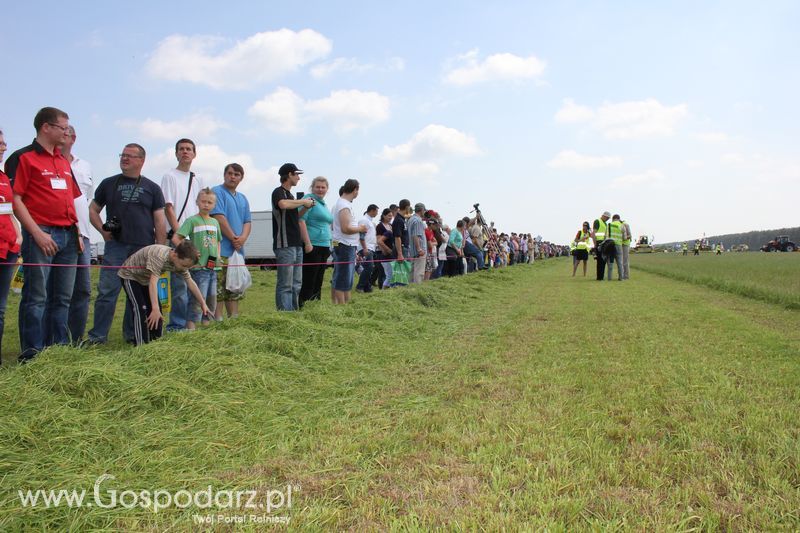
x: 221, y: 266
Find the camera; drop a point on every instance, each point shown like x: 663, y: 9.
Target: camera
x: 113, y: 226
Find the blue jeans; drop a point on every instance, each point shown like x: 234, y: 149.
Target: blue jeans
x: 470, y: 250
x: 179, y: 302
x: 439, y: 268
x: 108, y: 288
x: 344, y: 267
x: 290, y: 278
x: 8, y: 267
x: 206, y: 281
x: 44, y: 308
x: 81, y: 293
x: 366, y: 274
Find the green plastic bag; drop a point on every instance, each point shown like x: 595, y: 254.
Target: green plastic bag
x: 401, y: 272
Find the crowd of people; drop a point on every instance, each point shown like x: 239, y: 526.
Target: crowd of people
x: 402, y: 245
x: 182, y: 226
x: 609, y: 240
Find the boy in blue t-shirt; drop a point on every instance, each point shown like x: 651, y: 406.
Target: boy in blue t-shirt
x: 203, y: 230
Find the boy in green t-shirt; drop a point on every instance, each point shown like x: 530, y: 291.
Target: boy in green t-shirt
x: 203, y: 230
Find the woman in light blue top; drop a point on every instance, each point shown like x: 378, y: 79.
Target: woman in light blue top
x: 318, y: 223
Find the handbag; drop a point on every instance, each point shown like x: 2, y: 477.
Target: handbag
x: 401, y: 273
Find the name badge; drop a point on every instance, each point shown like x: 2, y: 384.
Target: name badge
x: 58, y: 183
x: 6, y: 208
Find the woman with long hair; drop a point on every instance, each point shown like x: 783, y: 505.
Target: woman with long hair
x: 581, y: 251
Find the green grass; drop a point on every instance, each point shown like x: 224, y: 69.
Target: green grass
x: 516, y: 399
x: 768, y: 277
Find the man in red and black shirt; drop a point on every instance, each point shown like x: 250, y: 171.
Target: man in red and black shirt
x: 44, y: 203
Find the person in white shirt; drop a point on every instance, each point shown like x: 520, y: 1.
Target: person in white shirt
x: 345, y: 242
x: 369, y: 244
x: 82, y: 291
x: 180, y: 187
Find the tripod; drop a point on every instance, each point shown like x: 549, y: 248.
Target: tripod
x: 492, y: 246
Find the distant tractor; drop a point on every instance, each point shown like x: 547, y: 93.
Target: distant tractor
x: 644, y: 245
x: 781, y: 243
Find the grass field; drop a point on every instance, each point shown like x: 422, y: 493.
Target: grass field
x: 518, y: 399
x: 768, y: 277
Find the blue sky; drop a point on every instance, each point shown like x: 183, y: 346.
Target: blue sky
x: 681, y: 116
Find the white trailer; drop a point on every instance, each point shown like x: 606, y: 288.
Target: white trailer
x: 259, y: 246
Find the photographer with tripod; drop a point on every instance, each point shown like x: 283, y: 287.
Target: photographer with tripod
x: 478, y: 234
x: 134, y: 219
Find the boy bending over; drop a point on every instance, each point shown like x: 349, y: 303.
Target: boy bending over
x: 140, y: 273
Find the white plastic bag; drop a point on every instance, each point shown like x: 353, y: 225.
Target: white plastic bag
x: 238, y: 279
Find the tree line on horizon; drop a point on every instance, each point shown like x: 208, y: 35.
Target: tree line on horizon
x: 754, y: 239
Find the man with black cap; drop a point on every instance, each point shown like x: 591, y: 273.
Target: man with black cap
x: 599, y: 234
x: 288, y: 237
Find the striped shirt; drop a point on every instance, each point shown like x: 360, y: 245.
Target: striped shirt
x: 150, y: 260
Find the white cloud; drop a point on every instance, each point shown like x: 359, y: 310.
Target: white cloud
x: 433, y: 141
x: 711, y: 137
x: 285, y: 111
x: 413, y: 170
x: 209, y: 164
x: 732, y: 158
x: 220, y: 64
x: 280, y: 111
x: 626, y: 120
x: 649, y: 177
x: 351, y: 109
x: 573, y: 160
x: 352, y: 65
x: 340, y: 64
x: 497, y: 67
x: 195, y: 125
x: 571, y: 112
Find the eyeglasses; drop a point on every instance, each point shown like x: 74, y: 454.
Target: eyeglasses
x: 59, y: 126
x: 129, y: 156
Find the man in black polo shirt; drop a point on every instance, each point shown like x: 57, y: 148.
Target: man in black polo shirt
x: 134, y: 219
x: 400, y: 229
x: 288, y: 237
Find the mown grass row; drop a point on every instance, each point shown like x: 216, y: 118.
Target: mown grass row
x: 213, y: 407
x: 769, y: 278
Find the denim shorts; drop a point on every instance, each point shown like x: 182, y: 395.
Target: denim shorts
x: 343, y: 273
x: 206, y: 281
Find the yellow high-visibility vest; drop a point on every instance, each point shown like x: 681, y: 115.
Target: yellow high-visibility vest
x: 600, y: 232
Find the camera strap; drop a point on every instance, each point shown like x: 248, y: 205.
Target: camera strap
x: 186, y: 201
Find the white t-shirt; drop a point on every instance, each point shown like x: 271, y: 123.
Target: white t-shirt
x: 82, y: 171
x: 174, y: 185
x: 442, y: 256
x: 337, y: 234
x: 369, y: 237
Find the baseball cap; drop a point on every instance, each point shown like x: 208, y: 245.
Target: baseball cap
x: 607, y: 214
x: 288, y: 168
